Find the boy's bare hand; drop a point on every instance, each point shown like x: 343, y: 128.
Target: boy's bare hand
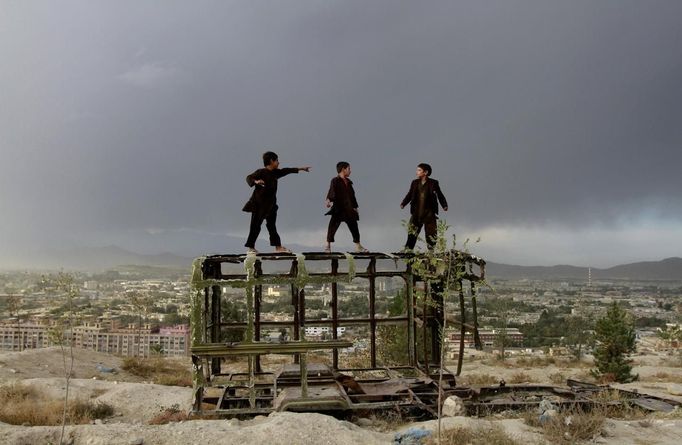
x: 259, y: 182
x: 328, y: 203
x: 402, y: 206
x: 305, y: 169
x: 445, y: 208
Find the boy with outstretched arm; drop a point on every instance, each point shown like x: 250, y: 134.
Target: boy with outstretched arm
x: 344, y: 207
x: 423, y: 197
x: 263, y: 202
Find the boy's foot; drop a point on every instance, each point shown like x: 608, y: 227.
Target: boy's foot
x: 359, y: 248
x: 251, y: 251
x: 328, y: 249
x: 282, y: 249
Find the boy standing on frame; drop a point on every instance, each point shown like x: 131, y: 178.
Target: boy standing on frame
x: 344, y: 207
x: 423, y: 198
x: 263, y: 202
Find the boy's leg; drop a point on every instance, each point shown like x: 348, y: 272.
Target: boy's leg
x: 254, y: 230
x: 334, y: 224
x: 431, y: 232
x: 271, y: 225
x: 354, y: 231
x: 413, y: 229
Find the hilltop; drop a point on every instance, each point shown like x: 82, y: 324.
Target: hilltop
x: 137, y: 403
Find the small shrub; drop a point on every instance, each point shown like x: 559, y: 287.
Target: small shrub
x: 387, y: 420
x: 490, y: 434
x: 557, y: 378
x: 535, y: 362
x: 20, y: 404
x: 664, y: 377
x: 479, y: 379
x: 519, y: 377
x: 569, y: 426
x: 168, y: 415
x: 161, y: 371
x: 85, y: 411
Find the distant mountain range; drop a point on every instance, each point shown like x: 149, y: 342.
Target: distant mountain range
x: 668, y: 269
x: 101, y: 258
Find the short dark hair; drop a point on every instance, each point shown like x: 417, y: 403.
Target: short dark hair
x: 426, y: 168
x: 341, y: 165
x: 269, y: 157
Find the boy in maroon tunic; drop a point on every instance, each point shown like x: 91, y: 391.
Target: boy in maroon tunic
x: 423, y: 197
x: 263, y: 202
x: 344, y: 207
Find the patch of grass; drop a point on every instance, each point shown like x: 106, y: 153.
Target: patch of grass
x: 386, y: 421
x: 613, y: 404
x: 584, y: 376
x: 489, y: 434
x: 519, y: 377
x: 159, y: 370
x: 569, y: 426
x: 535, y: 361
x: 168, y: 415
x: 673, y: 362
x: 478, y: 380
x: 557, y: 378
x: 24, y: 405
x: 663, y: 377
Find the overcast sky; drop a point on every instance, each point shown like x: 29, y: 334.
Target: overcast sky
x: 554, y: 127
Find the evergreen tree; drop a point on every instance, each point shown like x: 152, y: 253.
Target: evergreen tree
x: 615, y: 335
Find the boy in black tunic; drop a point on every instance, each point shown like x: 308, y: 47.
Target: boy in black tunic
x: 423, y: 197
x: 263, y: 202
x: 344, y: 207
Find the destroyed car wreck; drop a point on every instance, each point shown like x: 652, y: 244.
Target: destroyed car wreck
x: 247, y: 361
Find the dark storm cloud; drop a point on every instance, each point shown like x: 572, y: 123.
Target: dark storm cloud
x: 125, y: 116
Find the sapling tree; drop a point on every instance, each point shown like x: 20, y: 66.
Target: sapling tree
x: 615, y: 337
x: 62, y: 333
x: 442, y: 272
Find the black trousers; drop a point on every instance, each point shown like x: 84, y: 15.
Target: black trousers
x: 270, y: 223
x: 334, y: 224
x: 430, y: 229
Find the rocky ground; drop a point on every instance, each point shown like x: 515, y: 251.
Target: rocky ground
x: 136, y: 402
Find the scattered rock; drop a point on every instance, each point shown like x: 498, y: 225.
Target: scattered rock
x: 364, y: 422
x: 453, y: 406
x: 137, y: 441
x: 675, y: 389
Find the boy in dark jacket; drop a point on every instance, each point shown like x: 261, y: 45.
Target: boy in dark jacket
x: 344, y: 207
x: 423, y: 197
x: 263, y: 202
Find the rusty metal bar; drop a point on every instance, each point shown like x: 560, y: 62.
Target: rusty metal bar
x: 477, y: 338
x: 215, y: 324
x: 293, y: 271
x: 371, y: 269
x: 258, y: 296
x: 335, y: 313
x: 425, y: 323
x: 462, y: 311
x: 217, y: 350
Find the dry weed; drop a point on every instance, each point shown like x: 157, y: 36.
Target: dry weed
x: 478, y: 380
x: 569, y: 426
x: 489, y: 434
x: 23, y: 405
x: 535, y: 361
x: 663, y: 377
x: 387, y: 421
x: 168, y: 415
x: 161, y: 371
x: 557, y: 378
x: 519, y: 377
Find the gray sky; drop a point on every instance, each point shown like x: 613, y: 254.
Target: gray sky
x: 554, y: 127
